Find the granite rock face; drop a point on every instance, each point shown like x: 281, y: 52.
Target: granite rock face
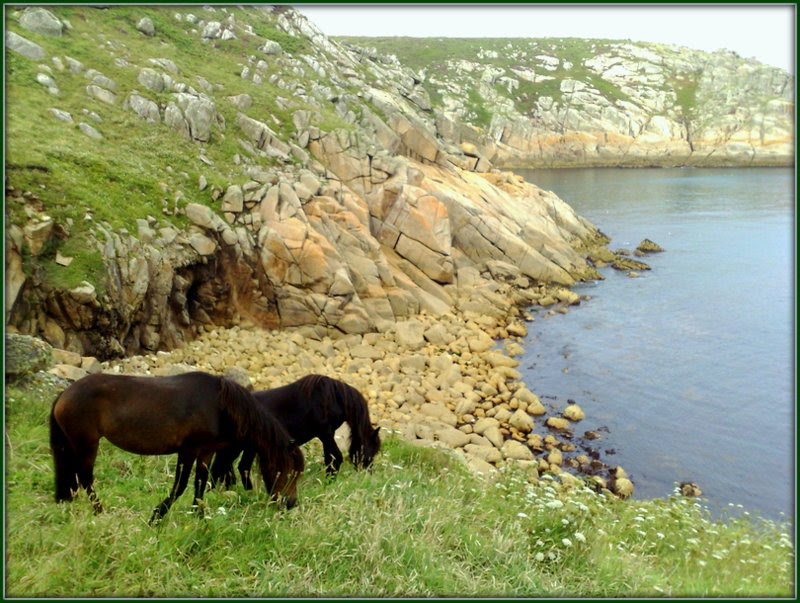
x: 603, y: 103
x: 314, y: 206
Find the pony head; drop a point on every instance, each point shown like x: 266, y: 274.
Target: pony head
x: 370, y: 444
x: 284, y: 484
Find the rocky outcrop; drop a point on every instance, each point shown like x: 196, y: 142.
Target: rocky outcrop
x: 313, y: 206
x: 601, y: 103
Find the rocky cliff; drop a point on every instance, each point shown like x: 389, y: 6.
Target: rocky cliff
x: 173, y: 168
x: 576, y: 102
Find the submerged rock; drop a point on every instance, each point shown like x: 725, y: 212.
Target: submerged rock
x: 648, y: 246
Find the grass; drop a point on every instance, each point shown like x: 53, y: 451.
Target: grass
x: 417, y: 524
x: 137, y: 169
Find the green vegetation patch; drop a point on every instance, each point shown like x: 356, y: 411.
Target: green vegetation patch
x: 417, y: 524
x: 137, y: 169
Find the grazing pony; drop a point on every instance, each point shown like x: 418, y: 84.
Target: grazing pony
x: 193, y: 415
x: 312, y: 407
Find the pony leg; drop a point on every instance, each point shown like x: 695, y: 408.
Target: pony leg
x: 87, y: 456
x: 245, y: 465
x: 65, y: 462
x: 182, y: 472
x: 333, y: 456
x: 200, y: 480
x: 222, y: 467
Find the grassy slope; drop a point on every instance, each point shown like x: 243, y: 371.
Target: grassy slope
x: 137, y: 168
x: 417, y: 524
x: 434, y: 54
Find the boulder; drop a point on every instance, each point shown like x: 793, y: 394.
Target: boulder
x: 622, y: 487
x: 68, y: 372
x: 490, y: 454
x: 512, y: 449
x: 557, y: 423
x: 239, y: 376
x: 25, y: 355
x: 410, y: 334
x: 690, y: 489
x: 101, y: 94
x: 41, y: 21
x: 452, y: 437
x: 143, y: 107
x: 36, y: 234
x: 479, y: 466
x: 270, y: 47
x: 23, y: 46
x: 484, y: 423
x: 90, y: 131
x: 145, y: 25
x: 648, y: 246
x: 573, y: 412
x: 154, y: 80
x: 439, y: 412
x: 521, y: 421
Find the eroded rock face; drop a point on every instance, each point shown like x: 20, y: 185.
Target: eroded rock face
x: 356, y: 229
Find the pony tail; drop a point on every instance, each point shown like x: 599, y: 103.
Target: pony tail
x: 65, y: 462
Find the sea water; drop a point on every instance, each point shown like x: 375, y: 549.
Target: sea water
x: 689, y: 367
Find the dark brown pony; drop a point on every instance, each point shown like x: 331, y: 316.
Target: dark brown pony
x: 312, y: 407
x: 193, y: 415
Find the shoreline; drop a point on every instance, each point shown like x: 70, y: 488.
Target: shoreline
x: 445, y: 381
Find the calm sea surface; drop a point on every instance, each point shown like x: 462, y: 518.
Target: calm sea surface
x: 691, y: 366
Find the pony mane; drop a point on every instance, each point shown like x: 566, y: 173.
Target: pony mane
x: 351, y: 400
x: 256, y: 426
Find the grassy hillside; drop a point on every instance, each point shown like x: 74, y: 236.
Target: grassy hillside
x: 137, y: 169
x: 438, y: 55
x: 418, y: 524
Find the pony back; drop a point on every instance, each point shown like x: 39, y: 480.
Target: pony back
x: 364, y: 443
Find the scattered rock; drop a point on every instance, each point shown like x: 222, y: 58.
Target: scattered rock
x: 573, y: 412
x: 648, y: 246
x: 512, y: 449
x: 23, y: 46
x: 690, y: 489
x: 68, y: 372
x: 25, y: 355
x: 521, y: 421
x: 41, y: 21
x: 622, y: 487
x: 145, y: 25
x: 90, y: 131
x: 557, y: 423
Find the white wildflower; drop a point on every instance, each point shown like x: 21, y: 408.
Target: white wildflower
x: 566, y: 542
x: 660, y: 536
x: 554, y: 504
x: 580, y: 537
x: 523, y: 515
x: 539, y: 557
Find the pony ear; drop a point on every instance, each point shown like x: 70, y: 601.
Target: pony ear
x: 376, y: 430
